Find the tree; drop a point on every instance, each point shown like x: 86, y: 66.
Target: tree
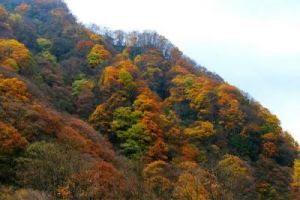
x: 236, y: 176
x: 11, y: 145
x: 128, y: 83
x: 198, y: 183
x: 13, y: 88
x: 231, y: 117
x: 158, y: 151
x: 103, y: 181
x: 296, y: 180
x: 189, y: 187
x: 11, y: 141
x: 133, y: 136
x: 48, y: 166
x: 81, y: 84
x: 45, y: 46
x: 23, y: 8
x: 98, y: 55
x: 3, y: 13
x: 269, y: 149
x: 16, y: 52
x: 156, y: 180
x: 200, y: 130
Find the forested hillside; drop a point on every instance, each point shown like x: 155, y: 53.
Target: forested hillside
x: 87, y: 114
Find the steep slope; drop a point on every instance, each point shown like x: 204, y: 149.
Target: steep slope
x: 164, y: 127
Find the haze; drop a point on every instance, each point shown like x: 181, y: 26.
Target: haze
x: 254, y: 45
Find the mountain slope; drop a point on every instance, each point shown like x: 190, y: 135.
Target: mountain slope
x: 163, y: 126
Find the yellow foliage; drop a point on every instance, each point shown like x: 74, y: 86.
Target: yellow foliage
x: 296, y: 180
x: 189, y: 187
x: 155, y: 168
x: 14, y: 50
x: 200, y: 130
x: 233, y: 167
x: 13, y: 88
x: 10, y: 64
x: 98, y: 55
x: 94, y: 37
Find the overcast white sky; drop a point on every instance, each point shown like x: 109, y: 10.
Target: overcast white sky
x: 254, y: 45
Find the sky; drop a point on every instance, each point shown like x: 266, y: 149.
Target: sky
x: 254, y: 45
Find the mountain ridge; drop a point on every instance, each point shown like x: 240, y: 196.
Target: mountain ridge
x: 126, y: 116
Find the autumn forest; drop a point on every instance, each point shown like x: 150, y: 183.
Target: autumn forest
x: 87, y: 114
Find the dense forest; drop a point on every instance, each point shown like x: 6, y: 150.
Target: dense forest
x: 87, y: 114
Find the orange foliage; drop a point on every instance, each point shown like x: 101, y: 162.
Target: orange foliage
x: 76, y: 138
x: 109, y: 81
x: 3, y: 13
x: 270, y: 149
x: 230, y: 113
x: 11, y: 140
x: 23, y: 8
x: 179, y: 70
x: 153, y: 127
x: 103, y: 181
x: 43, y: 119
x: 13, y: 88
x: 94, y: 37
x: 158, y: 151
x: 84, y: 45
x: 190, y: 153
x: 128, y: 66
x: 151, y: 58
x: 98, y: 55
x: 63, y: 193
x: 250, y: 129
x: 147, y: 101
x: 269, y: 137
x: 12, y: 49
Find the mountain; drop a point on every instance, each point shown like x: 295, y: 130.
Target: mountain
x: 89, y: 114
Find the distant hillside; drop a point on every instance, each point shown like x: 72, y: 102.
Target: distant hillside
x: 118, y: 115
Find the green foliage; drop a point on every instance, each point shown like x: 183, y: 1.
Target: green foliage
x: 80, y: 84
x: 244, y: 146
x: 128, y: 82
x: 47, y: 166
x: 49, y: 57
x: 132, y: 134
x: 98, y: 55
x: 44, y: 43
x: 136, y: 140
